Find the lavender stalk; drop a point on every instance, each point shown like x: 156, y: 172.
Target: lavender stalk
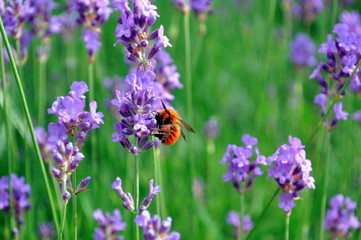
x: 28, y: 119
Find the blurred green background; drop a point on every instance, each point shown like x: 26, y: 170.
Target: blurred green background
x: 243, y: 76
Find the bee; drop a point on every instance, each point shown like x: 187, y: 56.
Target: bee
x: 169, y: 130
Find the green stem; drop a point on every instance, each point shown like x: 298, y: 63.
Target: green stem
x: 28, y: 119
x: 157, y: 179
x: 241, y: 229
x: 63, y: 220
x: 327, y: 149
x: 75, y: 210
x: 287, y: 227
x: 91, y: 80
x: 188, y: 65
x: 136, y: 191
x: 41, y: 92
x: 262, y: 214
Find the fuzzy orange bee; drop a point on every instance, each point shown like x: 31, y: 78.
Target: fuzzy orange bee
x: 168, y: 122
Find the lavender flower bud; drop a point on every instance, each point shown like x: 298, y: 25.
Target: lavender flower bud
x: 83, y: 184
x: 58, y: 158
x: 60, y: 147
x: 66, y: 196
x: 152, y: 191
x: 57, y: 173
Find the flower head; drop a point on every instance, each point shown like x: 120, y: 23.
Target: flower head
x: 110, y: 225
x: 46, y: 231
x: 303, y: 51
x: 211, y: 128
x: 291, y: 170
x: 240, y: 168
x: 133, y: 31
x: 234, y: 219
x: 135, y: 108
x: 20, y: 201
x: 340, y: 218
x: 308, y: 10
x: 154, y: 228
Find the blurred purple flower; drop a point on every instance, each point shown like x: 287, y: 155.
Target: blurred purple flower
x: 91, y: 15
x: 340, y: 218
x: 21, y: 193
x: 153, y: 228
x: 110, y: 225
x: 240, y: 168
x: 211, y: 128
x: 303, y: 51
x: 15, y: 14
x: 307, y: 10
x: 234, y: 219
x: 135, y: 106
x: 201, y: 8
x: 291, y: 170
x: 46, y: 231
x: 45, y: 146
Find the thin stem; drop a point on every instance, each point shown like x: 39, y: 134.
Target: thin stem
x: 327, y: 148
x: 136, y: 190
x: 91, y: 80
x: 262, y: 214
x: 63, y: 220
x: 75, y: 210
x: 41, y: 92
x: 157, y: 180
x: 30, y: 125
x: 241, y: 229
x: 188, y: 64
x: 287, y: 227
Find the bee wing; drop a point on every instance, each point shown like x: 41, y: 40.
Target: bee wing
x: 184, y: 136
x: 189, y: 128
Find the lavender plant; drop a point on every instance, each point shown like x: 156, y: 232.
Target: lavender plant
x: 46, y: 231
x: 133, y: 31
x: 303, y: 51
x: 341, y: 218
x: 307, y: 10
x: 235, y: 219
x: 110, y: 225
x: 154, y: 228
x: 292, y: 171
x: 17, y: 199
x: 128, y: 201
x: 91, y: 15
x: 342, y: 67
x: 72, y: 119
x: 240, y: 168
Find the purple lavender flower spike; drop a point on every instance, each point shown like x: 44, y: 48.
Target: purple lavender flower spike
x: 340, y: 218
x: 128, y: 202
x: 110, y: 225
x: 46, y: 231
x: 343, y: 56
x: 135, y: 106
x: 201, y: 8
x: 234, y: 219
x: 72, y: 119
x: 303, y: 51
x: 240, y: 168
x: 211, y: 128
x: 133, y: 31
x: 91, y: 15
x: 21, y: 193
x: 147, y: 200
x: 292, y: 171
x: 153, y: 228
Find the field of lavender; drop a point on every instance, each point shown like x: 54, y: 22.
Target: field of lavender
x: 271, y: 88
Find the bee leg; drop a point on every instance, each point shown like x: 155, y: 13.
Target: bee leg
x: 160, y: 136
